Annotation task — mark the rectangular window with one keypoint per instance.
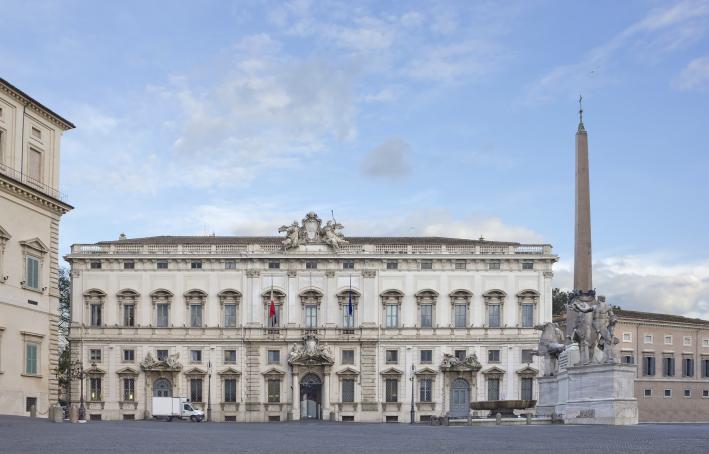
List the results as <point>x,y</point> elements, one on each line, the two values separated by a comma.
<point>705,393</point>
<point>128,355</point>
<point>31,358</point>
<point>162,264</point>
<point>392,389</point>
<point>426,390</point>
<point>229,356</point>
<point>705,368</point>
<point>311,316</point>
<point>705,342</point>
<point>196,390</point>
<point>129,265</point>
<point>96,315</point>
<point>668,393</point>
<point>649,366</point>
<point>647,339</point>
<point>426,356</point>
<point>95,265</point>
<point>459,354</point>
<point>647,392</point>
<point>230,315</point>
<point>392,265</point>
<point>347,318</point>
<point>688,367</point>
<point>493,389</point>
<point>229,390</point>
<point>687,393</point>
<point>230,265</point>
<point>274,356</point>
<point>274,265</point>
<point>426,315</point>
<point>274,391</point>
<point>493,265</point>
<point>348,387</point>
<point>348,357</point>
<point>687,341</point>
<point>32,267</point>
<point>460,315</point>
<point>392,315</point>
<point>527,315</point>
<point>311,265</point>
<point>162,355</point>
<point>36,133</point>
<point>35,166</point>
<point>129,315</point>
<point>30,402</point>
<point>196,264</point>
<point>392,356</point>
<point>526,392</point>
<point>527,356</point>
<point>493,356</point>
<point>668,340</point>
<point>348,265</point>
<point>95,355</point>
<point>95,388</point>
<point>628,358</point>
<point>494,315</point>
<point>196,356</point>
<point>129,389</point>
<point>627,337</point>
<point>426,265</point>
<point>195,315</point>
<point>527,265</point>
<point>460,265</point>
<point>668,363</point>
<point>163,315</point>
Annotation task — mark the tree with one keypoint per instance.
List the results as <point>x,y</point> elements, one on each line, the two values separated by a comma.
<point>64,363</point>
<point>558,299</point>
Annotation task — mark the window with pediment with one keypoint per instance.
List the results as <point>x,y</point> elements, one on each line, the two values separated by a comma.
<point>494,304</point>
<point>229,301</point>
<point>426,305</point>
<point>128,306</point>
<point>33,253</point>
<point>195,301</point>
<point>460,308</point>
<point>162,302</point>
<point>273,319</point>
<point>527,308</point>
<point>310,300</point>
<point>391,307</point>
<point>94,300</point>
<point>348,301</point>
<point>4,238</point>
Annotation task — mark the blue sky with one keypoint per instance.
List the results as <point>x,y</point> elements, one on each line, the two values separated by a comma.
<point>415,118</point>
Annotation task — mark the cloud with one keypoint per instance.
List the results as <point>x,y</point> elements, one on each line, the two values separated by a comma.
<point>695,76</point>
<point>648,283</point>
<point>661,31</point>
<point>454,61</point>
<point>390,159</point>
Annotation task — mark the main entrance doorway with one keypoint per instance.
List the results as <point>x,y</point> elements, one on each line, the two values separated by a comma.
<point>460,398</point>
<point>162,388</point>
<point>310,397</point>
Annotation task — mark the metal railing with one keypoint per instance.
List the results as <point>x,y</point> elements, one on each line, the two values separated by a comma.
<point>33,183</point>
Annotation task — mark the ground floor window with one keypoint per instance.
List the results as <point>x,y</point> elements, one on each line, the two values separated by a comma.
<point>196,390</point>
<point>95,388</point>
<point>526,393</point>
<point>230,390</point>
<point>493,389</point>
<point>30,402</point>
<point>128,389</point>
<point>274,391</point>
<point>348,386</point>
<point>392,390</point>
<point>426,390</point>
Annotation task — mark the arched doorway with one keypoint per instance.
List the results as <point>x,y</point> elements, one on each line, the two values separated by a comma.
<point>310,397</point>
<point>162,388</point>
<point>460,398</point>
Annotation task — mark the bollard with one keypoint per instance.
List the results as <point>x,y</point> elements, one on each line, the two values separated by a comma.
<point>73,413</point>
<point>498,419</point>
<point>529,418</point>
<point>33,411</point>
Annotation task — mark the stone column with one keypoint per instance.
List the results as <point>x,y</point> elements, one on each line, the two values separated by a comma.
<point>326,395</point>
<point>582,245</point>
<point>296,396</point>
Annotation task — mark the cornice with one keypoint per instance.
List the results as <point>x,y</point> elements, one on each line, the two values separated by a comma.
<point>35,106</point>
<point>37,198</point>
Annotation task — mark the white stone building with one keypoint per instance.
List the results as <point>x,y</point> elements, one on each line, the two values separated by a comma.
<point>30,209</point>
<point>259,328</point>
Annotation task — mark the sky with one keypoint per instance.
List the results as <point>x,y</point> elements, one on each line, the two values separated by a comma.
<point>404,118</point>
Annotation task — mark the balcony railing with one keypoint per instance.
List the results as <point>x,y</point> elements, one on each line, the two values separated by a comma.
<point>33,183</point>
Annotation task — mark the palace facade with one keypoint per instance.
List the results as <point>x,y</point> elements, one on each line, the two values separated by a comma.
<point>30,209</point>
<point>309,325</point>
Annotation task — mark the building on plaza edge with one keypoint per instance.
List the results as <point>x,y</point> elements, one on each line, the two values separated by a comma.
<point>30,209</point>
<point>308,325</point>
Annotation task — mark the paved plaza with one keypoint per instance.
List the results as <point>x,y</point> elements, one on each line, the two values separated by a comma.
<point>23,435</point>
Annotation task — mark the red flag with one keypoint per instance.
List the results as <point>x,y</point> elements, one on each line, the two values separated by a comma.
<point>272,312</point>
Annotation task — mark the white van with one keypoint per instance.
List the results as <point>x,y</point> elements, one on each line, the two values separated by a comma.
<point>175,407</point>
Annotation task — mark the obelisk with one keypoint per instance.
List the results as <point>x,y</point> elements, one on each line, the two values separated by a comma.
<point>582,245</point>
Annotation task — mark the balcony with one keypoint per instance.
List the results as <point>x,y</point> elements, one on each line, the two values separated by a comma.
<point>32,183</point>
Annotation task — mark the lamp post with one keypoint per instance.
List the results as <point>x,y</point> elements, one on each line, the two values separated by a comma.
<point>413,411</point>
<point>209,392</point>
<point>77,371</point>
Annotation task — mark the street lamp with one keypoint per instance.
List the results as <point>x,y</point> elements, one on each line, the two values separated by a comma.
<point>77,371</point>
<point>209,392</point>
<point>413,412</point>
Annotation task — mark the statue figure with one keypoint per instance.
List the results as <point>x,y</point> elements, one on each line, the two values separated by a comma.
<point>330,235</point>
<point>579,324</point>
<point>172,361</point>
<point>551,344</point>
<point>310,353</point>
<point>604,321</point>
<point>292,235</point>
<point>149,362</point>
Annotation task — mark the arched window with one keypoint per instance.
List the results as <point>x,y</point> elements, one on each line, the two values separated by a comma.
<point>527,308</point>
<point>460,308</point>
<point>229,301</point>
<point>349,302</point>
<point>310,300</point>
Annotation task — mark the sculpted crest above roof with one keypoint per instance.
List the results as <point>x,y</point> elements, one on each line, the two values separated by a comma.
<point>311,231</point>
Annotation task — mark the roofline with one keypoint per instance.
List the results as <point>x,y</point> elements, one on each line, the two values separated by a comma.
<point>30,100</point>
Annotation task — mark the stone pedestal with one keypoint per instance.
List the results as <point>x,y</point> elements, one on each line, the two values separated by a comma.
<point>592,394</point>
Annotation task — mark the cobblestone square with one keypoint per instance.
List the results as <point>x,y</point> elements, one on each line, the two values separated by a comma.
<point>23,435</point>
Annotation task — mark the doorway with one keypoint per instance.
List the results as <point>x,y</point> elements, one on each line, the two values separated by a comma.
<point>460,399</point>
<point>310,397</point>
<point>162,388</point>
